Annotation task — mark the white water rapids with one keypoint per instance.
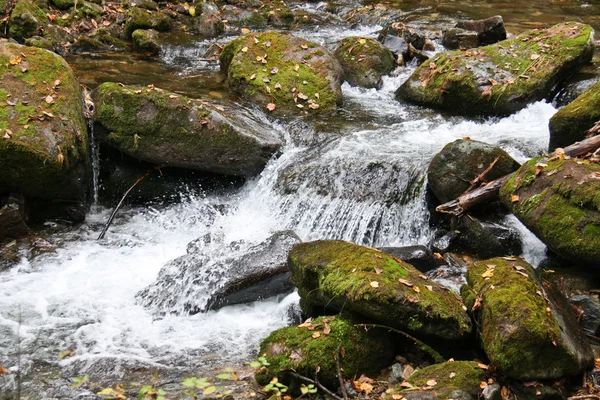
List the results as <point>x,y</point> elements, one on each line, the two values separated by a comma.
<point>82,296</point>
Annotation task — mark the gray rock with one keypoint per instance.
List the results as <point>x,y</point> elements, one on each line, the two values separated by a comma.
<point>590,320</point>
<point>418,256</point>
<point>486,236</point>
<point>146,40</point>
<point>492,392</point>
<point>457,38</point>
<point>489,30</point>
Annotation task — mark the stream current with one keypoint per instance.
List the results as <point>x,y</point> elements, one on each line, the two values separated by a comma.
<point>358,178</point>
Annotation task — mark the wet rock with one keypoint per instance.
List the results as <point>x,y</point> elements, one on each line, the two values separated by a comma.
<point>560,204</point>
<point>590,305</point>
<point>426,395</point>
<point>293,74</point>
<point>489,30</point>
<point>159,127</point>
<point>492,392</point>
<point>139,18</point>
<point>457,38</point>
<point>146,40</point>
<point>277,13</point>
<point>12,223</point>
<point>446,242</point>
<point>99,41</point>
<point>471,83</point>
<point>418,256</point>
<point>451,171</point>
<point>395,44</point>
<point>411,35</point>
<point>196,283</point>
<point>364,61</point>
<point>243,18</point>
<point>87,9</point>
<point>526,329</point>
<point>450,377</point>
<point>27,20</point>
<point>337,275</point>
<point>378,14</point>
<point>207,22</point>
<point>36,162</point>
<point>571,123</point>
<point>486,236</point>
<point>305,347</point>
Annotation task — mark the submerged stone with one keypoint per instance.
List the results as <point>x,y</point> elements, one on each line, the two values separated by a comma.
<point>571,123</point>
<point>364,61</point>
<point>502,78</point>
<point>335,275</point>
<point>526,329</point>
<point>559,201</point>
<point>292,74</point>
<point>163,128</point>
<point>314,344</point>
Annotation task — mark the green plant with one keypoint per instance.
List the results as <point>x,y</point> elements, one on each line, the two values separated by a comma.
<point>260,362</point>
<point>275,386</point>
<point>205,386</point>
<point>310,389</point>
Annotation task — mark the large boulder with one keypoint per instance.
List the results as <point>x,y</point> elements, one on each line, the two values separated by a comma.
<point>558,201</point>
<point>166,129</point>
<point>282,72</point>
<point>364,61</point>
<point>43,143</point>
<point>139,18</point>
<point>196,283</point>
<point>527,331</point>
<point>502,78</point>
<point>337,275</point>
<point>570,123</point>
<point>27,20</point>
<point>451,170</point>
<point>313,346</point>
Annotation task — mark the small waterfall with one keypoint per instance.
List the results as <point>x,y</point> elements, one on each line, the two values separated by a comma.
<point>95,156</point>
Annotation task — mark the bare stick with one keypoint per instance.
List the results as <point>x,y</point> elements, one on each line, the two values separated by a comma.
<point>584,396</point>
<point>588,145</point>
<point>315,382</point>
<point>479,178</point>
<point>470,199</point>
<point>339,372</point>
<point>112,216</point>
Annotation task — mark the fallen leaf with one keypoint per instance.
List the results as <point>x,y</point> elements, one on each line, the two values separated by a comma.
<point>505,393</point>
<point>245,31</point>
<point>267,44</point>
<point>316,335</point>
<point>252,77</point>
<point>452,375</point>
<point>11,103</point>
<point>482,366</point>
<point>405,384</point>
<point>534,56</point>
<point>3,371</point>
<point>327,329</point>
<point>271,106</point>
<point>296,355</point>
<point>266,80</point>
<point>362,41</point>
<point>303,46</point>
<point>405,282</point>
<point>49,99</point>
<point>397,396</point>
<point>432,65</point>
<point>65,354</point>
<point>429,287</point>
<point>15,61</point>
<point>488,273</point>
<point>374,284</point>
<point>519,268</point>
<point>514,198</point>
<point>477,304</point>
<point>274,70</point>
<point>302,96</point>
<point>296,68</point>
<point>483,385</point>
<point>244,49</point>
<point>431,382</point>
<point>416,289</point>
<point>378,270</point>
<point>278,86</point>
<point>192,11</point>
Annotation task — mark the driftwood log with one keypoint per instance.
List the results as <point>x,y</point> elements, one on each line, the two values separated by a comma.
<point>490,191</point>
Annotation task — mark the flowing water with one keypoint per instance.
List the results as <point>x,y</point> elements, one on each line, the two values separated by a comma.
<point>359,177</point>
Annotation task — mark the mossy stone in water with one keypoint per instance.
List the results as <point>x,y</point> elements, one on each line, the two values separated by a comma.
<point>502,78</point>
<point>560,203</point>
<point>336,275</point>
<point>295,75</point>
<point>26,19</point>
<point>364,61</point>
<point>44,151</point>
<point>303,350</point>
<point>138,18</point>
<point>571,123</point>
<point>146,40</point>
<point>527,331</point>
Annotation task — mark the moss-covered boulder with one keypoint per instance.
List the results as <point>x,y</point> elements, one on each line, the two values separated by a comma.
<point>277,13</point>
<point>313,344</point>
<point>146,40</point>
<point>27,19</point>
<point>502,78</point>
<point>526,330</point>
<point>291,74</point>
<point>139,18</point>
<point>559,201</point>
<point>441,380</point>
<point>364,61</point>
<point>87,9</point>
<point>451,170</point>
<point>336,275</point>
<point>43,134</point>
<point>163,128</point>
<point>63,4</point>
<point>570,123</point>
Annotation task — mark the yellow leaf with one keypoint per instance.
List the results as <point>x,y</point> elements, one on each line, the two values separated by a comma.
<point>362,41</point>
<point>429,287</point>
<point>416,289</point>
<point>209,390</point>
<point>15,61</point>
<point>192,11</point>
<point>488,273</point>
<point>245,31</point>
<point>514,198</point>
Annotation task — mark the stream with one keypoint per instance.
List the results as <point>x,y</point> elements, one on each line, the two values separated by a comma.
<point>359,177</point>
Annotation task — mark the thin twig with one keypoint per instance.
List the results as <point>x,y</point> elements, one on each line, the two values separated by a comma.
<point>315,382</point>
<point>112,216</point>
<point>479,178</point>
<point>339,372</point>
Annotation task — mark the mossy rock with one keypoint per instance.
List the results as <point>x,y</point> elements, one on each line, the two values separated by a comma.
<point>277,13</point>
<point>527,331</point>
<point>46,155</point>
<point>63,4</point>
<point>294,74</point>
<point>502,78</point>
<point>243,18</point>
<point>336,275</point>
<point>139,18</point>
<point>302,350</point>
<point>146,40</point>
<point>40,42</point>
<point>449,377</point>
<point>364,61</point>
<point>571,123</point>
<point>560,204</point>
<point>26,19</point>
<point>157,126</point>
<point>451,171</point>
<point>87,9</point>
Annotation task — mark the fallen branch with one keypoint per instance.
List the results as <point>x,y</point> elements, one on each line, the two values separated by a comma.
<point>112,216</point>
<point>315,382</point>
<point>588,145</point>
<point>584,396</point>
<point>339,372</point>
<point>470,199</point>
<point>479,178</point>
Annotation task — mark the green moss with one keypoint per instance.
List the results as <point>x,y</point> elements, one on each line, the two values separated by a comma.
<point>3,94</point>
<point>24,113</point>
<point>340,275</point>
<point>25,20</point>
<point>295,349</point>
<point>138,18</point>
